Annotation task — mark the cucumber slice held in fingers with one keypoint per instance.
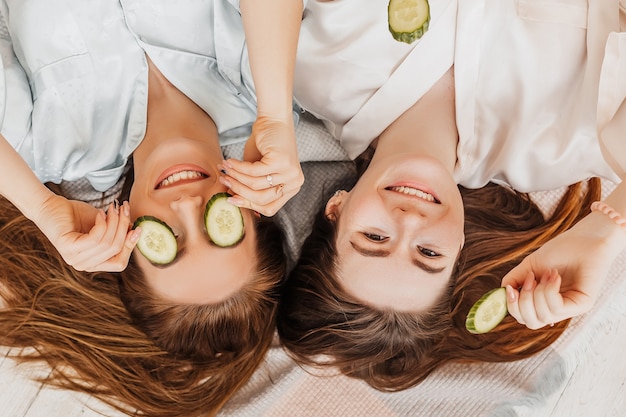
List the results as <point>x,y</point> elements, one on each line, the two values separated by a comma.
<point>487,312</point>
<point>157,241</point>
<point>223,221</point>
<point>408,19</point>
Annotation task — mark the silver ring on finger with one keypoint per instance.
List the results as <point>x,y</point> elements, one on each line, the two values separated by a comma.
<point>269,180</point>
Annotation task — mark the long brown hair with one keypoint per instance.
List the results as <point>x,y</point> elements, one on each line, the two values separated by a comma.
<point>167,360</point>
<point>319,323</point>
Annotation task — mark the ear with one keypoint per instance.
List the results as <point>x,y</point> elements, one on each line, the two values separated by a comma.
<point>333,206</point>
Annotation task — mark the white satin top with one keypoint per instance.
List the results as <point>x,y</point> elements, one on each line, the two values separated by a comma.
<point>538,82</point>
<point>73,79</point>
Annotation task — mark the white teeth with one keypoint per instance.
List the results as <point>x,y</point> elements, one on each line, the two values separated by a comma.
<point>179,176</point>
<point>415,192</point>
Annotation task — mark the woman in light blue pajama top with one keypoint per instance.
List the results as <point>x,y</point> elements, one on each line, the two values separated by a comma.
<point>85,87</point>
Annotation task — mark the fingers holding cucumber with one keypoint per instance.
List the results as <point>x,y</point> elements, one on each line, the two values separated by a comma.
<point>536,304</point>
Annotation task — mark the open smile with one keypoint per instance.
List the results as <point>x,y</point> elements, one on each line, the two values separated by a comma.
<point>414,192</point>
<point>180,175</point>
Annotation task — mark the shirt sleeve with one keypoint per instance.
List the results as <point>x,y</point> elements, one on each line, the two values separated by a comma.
<point>16,102</point>
<point>612,104</point>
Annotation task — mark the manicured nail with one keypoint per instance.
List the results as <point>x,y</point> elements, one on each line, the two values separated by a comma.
<point>225,182</point>
<point>126,208</point>
<point>235,201</point>
<point>136,234</point>
<point>227,164</point>
<point>510,294</point>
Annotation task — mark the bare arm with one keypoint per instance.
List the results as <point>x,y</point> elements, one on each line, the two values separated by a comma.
<point>270,173</point>
<point>19,184</point>
<point>87,238</point>
<point>272,28</point>
<point>564,277</point>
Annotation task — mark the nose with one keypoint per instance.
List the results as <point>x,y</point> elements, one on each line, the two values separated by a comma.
<point>189,210</point>
<point>185,203</point>
<point>411,214</point>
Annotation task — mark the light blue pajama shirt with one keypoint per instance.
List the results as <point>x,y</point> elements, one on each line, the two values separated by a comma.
<point>74,77</point>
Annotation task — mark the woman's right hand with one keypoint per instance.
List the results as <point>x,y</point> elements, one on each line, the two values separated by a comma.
<point>87,238</point>
<point>270,173</point>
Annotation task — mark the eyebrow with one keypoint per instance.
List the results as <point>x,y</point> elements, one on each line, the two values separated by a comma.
<point>381,253</point>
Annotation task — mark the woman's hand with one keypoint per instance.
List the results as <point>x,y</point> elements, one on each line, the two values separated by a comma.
<point>87,238</point>
<point>560,280</point>
<point>270,173</point>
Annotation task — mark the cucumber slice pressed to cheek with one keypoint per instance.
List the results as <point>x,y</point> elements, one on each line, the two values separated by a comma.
<point>223,222</point>
<point>487,312</point>
<point>157,241</point>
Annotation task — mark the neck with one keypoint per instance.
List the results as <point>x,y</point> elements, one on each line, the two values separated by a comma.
<point>427,128</point>
<point>171,113</point>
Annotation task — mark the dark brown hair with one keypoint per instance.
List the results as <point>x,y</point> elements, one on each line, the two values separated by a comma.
<point>167,360</point>
<point>396,350</point>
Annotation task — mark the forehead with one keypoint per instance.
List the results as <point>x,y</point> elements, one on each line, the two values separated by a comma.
<point>206,274</point>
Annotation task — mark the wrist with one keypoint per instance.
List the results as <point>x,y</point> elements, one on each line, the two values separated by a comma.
<point>276,111</point>
<point>606,227</point>
<point>35,206</point>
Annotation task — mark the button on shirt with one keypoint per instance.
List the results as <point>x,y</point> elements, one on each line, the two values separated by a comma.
<point>74,77</point>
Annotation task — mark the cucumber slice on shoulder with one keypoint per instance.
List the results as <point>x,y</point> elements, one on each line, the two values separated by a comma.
<point>487,312</point>
<point>223,221</point>
<point>408,19</point>
<point>157,241</point>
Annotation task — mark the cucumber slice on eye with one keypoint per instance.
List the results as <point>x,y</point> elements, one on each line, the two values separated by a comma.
<point>157,241</point>
<point>487,312</point>
<point>223,221</point>
<point>408,19</point>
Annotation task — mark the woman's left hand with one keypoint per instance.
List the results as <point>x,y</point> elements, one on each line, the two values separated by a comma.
<point>270,173</point>
<point>560,280</point>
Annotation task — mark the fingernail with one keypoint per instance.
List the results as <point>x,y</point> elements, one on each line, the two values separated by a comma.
<point>135,236</point>
<point>126,208</point>
<point>235,201</point>
<point>225,182</point>
<point>510,294</point>
<point>227,164</point>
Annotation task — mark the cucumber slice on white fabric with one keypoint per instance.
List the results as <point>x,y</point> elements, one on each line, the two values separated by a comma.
<point>408,19</point>
<point>223,221</point>
<point>157,241</point>
<point>487,312</point>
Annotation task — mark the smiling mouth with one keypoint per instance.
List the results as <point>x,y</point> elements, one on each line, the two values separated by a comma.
<point>180,177</point>
<point>415,193</point>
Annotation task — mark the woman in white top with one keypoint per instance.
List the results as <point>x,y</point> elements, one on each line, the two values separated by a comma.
<point>87,85</point>
<point>527,95</point>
